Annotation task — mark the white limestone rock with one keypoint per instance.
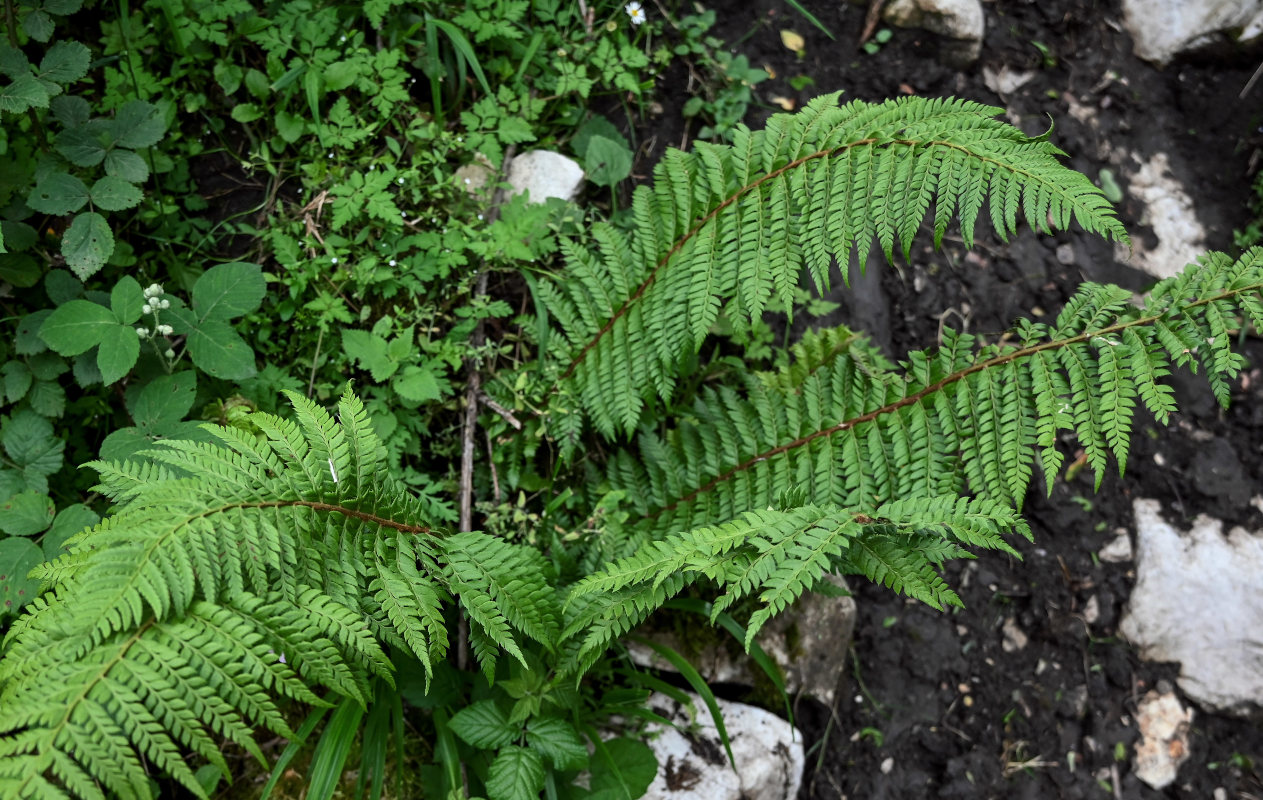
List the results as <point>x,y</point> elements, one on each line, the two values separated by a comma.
<point>809,642</point>
<point>1173,216</point>
<point>1161,29</point>
<point>960,21</point>
<point>544,174</point>
<point>1197,601</point>
<point>767,750</point>
<point>1164,725</point>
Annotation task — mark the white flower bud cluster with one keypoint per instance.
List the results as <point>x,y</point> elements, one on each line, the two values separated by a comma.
<point>155,302</point>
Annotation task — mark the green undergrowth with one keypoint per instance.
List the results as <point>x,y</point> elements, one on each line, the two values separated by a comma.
<point>329,467</point>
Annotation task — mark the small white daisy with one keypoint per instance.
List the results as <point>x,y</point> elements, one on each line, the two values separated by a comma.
<point>636,12</point>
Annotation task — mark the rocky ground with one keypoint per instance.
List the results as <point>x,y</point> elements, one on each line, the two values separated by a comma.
<point>1033,690</point>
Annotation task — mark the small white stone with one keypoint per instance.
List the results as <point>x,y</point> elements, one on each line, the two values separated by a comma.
<point>1118,550</point>
<point>767,750</point>
<point>544,174</point>
<point>887,765</point>
<point>1014,638</point>
<point>1164,725</point>
<point>1092,610</point>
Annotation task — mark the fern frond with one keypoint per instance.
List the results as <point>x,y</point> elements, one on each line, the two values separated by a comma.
<point>854,433</point>
<point>777,555</point>
<point>231,576</point>
<point>730,227</point>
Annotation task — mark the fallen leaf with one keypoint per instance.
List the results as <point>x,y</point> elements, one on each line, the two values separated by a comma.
<point>784,102</point>
<point>771,73</point>
<point>906,89</point>
<point>793,41</point>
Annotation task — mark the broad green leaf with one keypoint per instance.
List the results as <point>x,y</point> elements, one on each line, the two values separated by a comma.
<point>117,354</point>
<point>163,402</point>
<point>417,385</point>
<point>58,193</point>
<point>25,92</point>
<point>17,558</point>
<point>11,482</point>
<point>28,341</point>
<point>62,7</point>
<point>126,300</point>
<point>61,286</point>
<point>607,162</point>
<point>87,244</point>
<point>559,742</point>
<point>218,351</point>
<point>340,75</point>
<point>126,165</point>
<point>47,398</point>
<point>47,366</point>
<point>82,145</point>
<point>228,75</point>
<point>138,124</point>
<point>38,25</point>
<point>70,110</point>
<point>30,444</point>
<point>13,63</point>
<point>229,290</point>
<point>371,352</point>
<point>124,443</point>
<point>516,774</point>
<point>17,236</point>
<point>246,112</point>
<point>19,269</point>
<point>70,520</point>
<point>17,380</point>
<point>484,725</point>
<point>115,194</point>
<point>77,326</point>
<point>26,514</point>
<point>291,127</point>
<point>622,768</point>
<point>65,62</point>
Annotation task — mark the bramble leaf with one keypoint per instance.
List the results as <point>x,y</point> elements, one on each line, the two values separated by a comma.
<point>87,244</point>
<point>58,193</point>
<point>77,326</point>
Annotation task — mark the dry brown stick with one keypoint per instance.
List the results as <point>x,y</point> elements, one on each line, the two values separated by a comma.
<point>870,20</point>
<point>472,390</point>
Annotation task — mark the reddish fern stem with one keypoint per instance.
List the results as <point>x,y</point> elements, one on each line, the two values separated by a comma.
<point>918,396</point>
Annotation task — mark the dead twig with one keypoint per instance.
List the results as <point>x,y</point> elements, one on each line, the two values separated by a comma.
<point>473,389</point>
<point>504,413</point>
<point>870,21</point>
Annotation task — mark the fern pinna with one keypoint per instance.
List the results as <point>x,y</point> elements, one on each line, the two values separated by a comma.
<point>731,227</point>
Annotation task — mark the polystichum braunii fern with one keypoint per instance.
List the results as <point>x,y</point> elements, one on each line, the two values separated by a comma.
<point>233,576</point>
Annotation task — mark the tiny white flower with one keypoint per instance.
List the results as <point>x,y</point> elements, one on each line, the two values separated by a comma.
<point>165,330</point>
<point>343,39</point>
<point>142,332</point>
<point>165,303</point>
<point>392,262</point>
<point>170,353</point>
<point>399,181</point>
<point>145,309</point>
<point>467,181</point>
<point>331,155</point>
<point>480,216</point>
<point>403,213</point>
<point>153,290</point>
<point>334,259</point>
<point>636,13</point>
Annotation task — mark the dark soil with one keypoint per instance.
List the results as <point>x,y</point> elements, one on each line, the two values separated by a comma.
<point>935,707</point>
